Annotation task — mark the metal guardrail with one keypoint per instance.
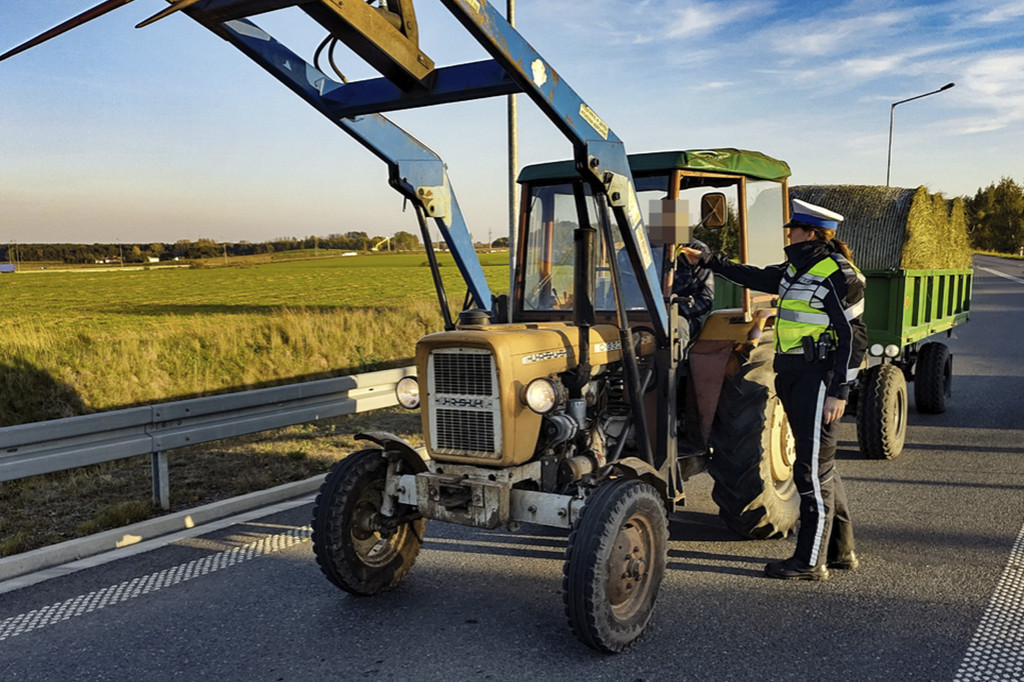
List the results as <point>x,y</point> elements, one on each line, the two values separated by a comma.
<point>61,444</point>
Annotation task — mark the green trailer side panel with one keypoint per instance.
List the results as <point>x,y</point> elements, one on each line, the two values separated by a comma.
<point>906,306</point>
<point>901,307</point>
<point>727,294</point>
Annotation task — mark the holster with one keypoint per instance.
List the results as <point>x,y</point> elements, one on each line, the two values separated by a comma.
<point>817,351</point>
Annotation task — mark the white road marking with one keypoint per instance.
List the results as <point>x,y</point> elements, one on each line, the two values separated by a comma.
<point>45,574</point>
<point>996,651</point>
<point>136,587</point>
<point>1018,280</point>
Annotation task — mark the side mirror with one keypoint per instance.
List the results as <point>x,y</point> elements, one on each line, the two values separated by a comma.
<point>713,210</point>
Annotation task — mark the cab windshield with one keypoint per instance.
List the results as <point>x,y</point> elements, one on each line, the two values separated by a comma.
<point>547,278</point>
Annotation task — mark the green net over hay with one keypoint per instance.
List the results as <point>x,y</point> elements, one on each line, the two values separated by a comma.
<point>894,228</point>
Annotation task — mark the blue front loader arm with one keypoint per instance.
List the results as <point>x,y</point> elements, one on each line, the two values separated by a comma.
<point>414,170</point>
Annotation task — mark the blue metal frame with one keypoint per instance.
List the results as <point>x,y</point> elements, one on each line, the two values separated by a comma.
<point>600,155</point>
<point>411,165</point>
<point>415,171</point>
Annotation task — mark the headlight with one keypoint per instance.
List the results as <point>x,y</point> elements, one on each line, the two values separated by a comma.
<point>892,350</point>
<point>408,393</point>
<point>541,395</point>
<point>877,349</point>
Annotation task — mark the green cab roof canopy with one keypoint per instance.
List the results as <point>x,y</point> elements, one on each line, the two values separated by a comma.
<point>726,161</point>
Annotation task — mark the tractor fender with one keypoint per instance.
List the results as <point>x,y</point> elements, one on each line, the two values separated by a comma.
<point>634,467</point>
<point>395,445</point>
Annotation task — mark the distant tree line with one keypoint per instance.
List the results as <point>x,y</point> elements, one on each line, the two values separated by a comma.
<point>995,221</point>
<point>185,249</point>
<point>995,217</point>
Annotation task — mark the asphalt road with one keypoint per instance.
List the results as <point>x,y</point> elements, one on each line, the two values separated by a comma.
<point>939,596</point>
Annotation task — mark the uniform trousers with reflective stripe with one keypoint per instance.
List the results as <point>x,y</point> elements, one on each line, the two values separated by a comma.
<point>825,527</point>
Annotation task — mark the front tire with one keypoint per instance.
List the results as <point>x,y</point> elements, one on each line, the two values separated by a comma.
<point>933,378</point>
<point>753,454</point>
<point>614,564</point>
<point>882,412</point>
<point>350,546</point>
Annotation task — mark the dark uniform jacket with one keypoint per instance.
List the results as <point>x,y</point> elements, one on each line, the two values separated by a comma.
<point>842,299</point>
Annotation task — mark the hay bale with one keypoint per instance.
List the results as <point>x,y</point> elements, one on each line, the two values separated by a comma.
<point>895,228</point>
<point>958,239</point>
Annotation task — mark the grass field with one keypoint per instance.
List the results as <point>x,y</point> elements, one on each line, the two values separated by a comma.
<point>82,341</point>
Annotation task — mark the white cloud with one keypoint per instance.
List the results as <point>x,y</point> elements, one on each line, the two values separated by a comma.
<point>997,86</point>
<point>1002,13</point>
<point>870,67</point>
<point>660,20</point>
<point>825,34</point>
<point>716,85</point>
<point>702,18</point>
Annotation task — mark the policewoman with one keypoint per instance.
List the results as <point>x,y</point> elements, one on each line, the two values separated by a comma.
<point>820,341</point>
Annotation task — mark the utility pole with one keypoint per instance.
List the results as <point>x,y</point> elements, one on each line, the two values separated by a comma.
<point>513,168</point>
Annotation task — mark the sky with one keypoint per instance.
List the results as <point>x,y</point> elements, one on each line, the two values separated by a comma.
<point>113,134</point>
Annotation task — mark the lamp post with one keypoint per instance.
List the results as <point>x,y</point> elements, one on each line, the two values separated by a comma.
<point>892,108</point>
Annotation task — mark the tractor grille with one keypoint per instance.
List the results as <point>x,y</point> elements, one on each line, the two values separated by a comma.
<point>465,410</point>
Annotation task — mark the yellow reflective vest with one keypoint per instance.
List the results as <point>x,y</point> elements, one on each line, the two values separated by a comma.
<point>801,309</point>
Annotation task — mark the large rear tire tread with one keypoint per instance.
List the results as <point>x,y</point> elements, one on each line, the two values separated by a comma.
<point>623,532</point>
<point>751,502</point>
<point>350,554</point>
<point>933,378</point>
<point>882,412</point>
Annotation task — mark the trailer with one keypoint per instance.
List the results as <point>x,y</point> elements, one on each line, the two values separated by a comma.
<point>903,311</point>
<point>912,247</point>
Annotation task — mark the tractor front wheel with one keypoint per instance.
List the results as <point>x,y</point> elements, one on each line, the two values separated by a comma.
<point>614,564</point>
<point>352,545</point>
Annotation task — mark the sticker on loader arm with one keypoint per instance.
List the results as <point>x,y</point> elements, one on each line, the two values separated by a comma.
<point>591,117</point>
<point>639,231</point>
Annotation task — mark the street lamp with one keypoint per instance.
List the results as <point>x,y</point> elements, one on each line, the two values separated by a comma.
<point>892,108</point>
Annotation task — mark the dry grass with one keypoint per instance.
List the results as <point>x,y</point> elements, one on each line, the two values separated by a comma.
<point>199,355</point>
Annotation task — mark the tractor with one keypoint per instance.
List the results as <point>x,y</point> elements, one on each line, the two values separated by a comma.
<point>575,414</point>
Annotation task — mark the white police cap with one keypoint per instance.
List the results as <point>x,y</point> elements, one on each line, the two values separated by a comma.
<point>807,214</point>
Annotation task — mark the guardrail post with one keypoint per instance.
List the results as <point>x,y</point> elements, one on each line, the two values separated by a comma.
<point>161,481</point>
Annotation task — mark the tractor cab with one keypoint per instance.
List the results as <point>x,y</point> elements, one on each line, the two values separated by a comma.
<point>743,192</point>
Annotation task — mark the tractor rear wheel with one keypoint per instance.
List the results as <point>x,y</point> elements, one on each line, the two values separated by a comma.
<point>753,454</point>
<point>933,378</point>
<point>614,564</point>
<point>882,412</point>
<point>350,543</point>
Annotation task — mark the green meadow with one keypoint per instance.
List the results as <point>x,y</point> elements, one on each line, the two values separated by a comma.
<point>78,341</point>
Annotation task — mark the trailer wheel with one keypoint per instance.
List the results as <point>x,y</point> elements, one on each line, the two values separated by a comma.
<point>753,454</point>
<point>933,378</point>
<point>882,412</point>
<point>350,548</point>
<point>614,564</point>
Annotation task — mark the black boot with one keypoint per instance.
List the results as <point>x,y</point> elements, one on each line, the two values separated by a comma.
<point>846,561</point>
<point>794,569</point>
